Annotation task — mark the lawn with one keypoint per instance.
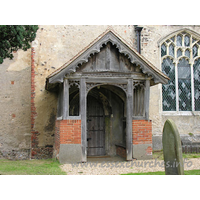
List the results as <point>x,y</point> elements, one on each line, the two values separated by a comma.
<point>52,167</point>
<point>159,155</point>
<point>189,172</point>
<point>30,167</point>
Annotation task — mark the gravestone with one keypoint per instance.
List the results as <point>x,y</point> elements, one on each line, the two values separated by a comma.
<point>172,149</point>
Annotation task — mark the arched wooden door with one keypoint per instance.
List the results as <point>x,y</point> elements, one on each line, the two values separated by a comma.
<point>95,127</point>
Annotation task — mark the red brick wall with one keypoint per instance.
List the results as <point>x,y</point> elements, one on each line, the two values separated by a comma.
<point>67,132</point>
<point>34,133</point>
<point>36,151</point>
<point>149,150</point>
<point>57,136</point>
<point>120,151</point>
<point>142,132</point>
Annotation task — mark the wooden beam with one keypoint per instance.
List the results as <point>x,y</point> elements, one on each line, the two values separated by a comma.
<point>94,62</point>
<point>65,98</point>
<point>107,80</point>
<point>146,99</point>
<point>60,103</point>
<point>83,109</point>
<point>108,57</point>
<point>129,114</point>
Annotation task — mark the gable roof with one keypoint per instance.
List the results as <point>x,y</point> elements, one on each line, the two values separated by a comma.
<point>94,47</point>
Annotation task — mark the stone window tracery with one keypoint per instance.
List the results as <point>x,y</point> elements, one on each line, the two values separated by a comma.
<point>180,61</point>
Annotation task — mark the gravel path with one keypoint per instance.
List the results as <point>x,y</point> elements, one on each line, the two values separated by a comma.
<point>117,167</point>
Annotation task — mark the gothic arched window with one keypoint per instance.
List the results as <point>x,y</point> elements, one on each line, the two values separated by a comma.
<point>180,56</point>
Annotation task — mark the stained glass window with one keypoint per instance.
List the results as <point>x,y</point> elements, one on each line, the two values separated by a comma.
<point>178,94</point>
<point>187,41</point>
<point>184,85</point>
<point>193,40</point>
<point>171,50</point>
<point>179,40</point>
<point>179,53</point>
<point>187,53</point>
<point>195,51</point>
<point>196,71</point>
<point>163,50</point>
<point>172,39</point>
<point>168,90</point>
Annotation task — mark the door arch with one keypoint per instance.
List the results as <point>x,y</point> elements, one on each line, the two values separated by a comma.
<point>106,122</point>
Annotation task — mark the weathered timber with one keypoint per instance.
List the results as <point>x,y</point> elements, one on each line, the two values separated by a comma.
<point>95,127</point>
<point>60,102</point>
<point>129,114</point>
<point>65,99</point>
<point>146,97</point>
<point>83,106</point>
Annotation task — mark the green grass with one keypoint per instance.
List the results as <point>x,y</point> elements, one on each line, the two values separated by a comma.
<point>147,173</point>
<point>159,155</point>
<point>189,172</point>
<point>192,155</point>
<point>52,167</point>
<point>30,167</point>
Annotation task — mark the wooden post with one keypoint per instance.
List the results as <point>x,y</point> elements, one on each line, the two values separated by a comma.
<point>129,114</point>
<point>83,107</point>
<point>60,103</point>
<point>146,99</point>
<point>65,98</point>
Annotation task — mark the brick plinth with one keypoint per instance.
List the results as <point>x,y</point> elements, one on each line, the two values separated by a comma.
<point>142,132</point>
<point>67,132</point>
<point>142,139</point>
<point>121,151</point>
<point>149,150</point>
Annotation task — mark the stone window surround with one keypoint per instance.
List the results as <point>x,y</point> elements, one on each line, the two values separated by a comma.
<point>164,41</point>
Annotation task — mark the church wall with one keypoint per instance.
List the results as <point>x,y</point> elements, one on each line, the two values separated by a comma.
<point>54,46</point>
<point>15,110</point>
<point>150,36</point>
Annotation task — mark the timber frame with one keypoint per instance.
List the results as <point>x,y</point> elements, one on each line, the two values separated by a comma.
<point>140,75</point>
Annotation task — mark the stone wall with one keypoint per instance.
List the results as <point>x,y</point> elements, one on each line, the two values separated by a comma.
<point>54,46</point>
<point>150,36</point>
<point>15,122</point>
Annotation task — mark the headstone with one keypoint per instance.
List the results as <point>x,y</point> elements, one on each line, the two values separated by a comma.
<point>172,149</point>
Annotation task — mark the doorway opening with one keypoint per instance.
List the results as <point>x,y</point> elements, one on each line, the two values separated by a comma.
<point>106,121</point>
